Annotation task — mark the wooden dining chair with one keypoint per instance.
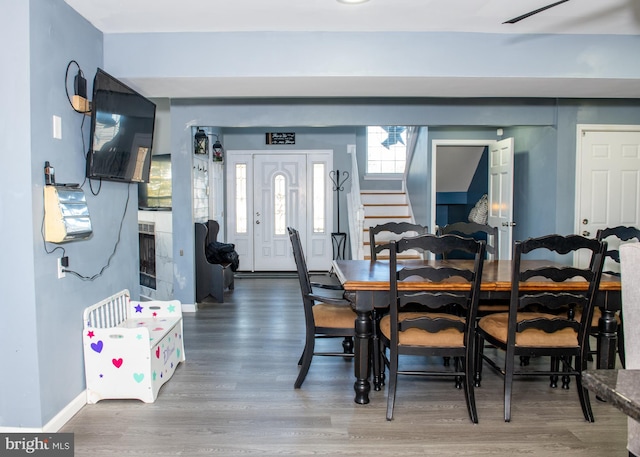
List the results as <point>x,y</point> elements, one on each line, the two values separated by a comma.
<point>440,323</point>
<point>541,323</point>
<point>477,231</point>
<point>379,239</point>
<point>614,236</point>
<point>381,234</point>
<point>327,316</point>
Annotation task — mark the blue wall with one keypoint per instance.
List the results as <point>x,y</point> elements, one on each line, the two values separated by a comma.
<point>42,325</point>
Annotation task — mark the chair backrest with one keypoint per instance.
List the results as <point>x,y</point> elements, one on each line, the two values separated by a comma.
<point>614,236</point>
<point>301,263</point>
<point>379,242</point>
<point>476,231</point>
<point>562,303</point>
<point>441,299</point>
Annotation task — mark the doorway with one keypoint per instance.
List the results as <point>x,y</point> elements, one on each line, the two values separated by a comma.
<point>607,180</point>
<point>459,160</point>
<point>268,191</point>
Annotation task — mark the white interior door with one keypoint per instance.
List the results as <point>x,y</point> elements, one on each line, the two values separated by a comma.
<point>607,180</point>
<point>501,193</point>
<point>266,193</point>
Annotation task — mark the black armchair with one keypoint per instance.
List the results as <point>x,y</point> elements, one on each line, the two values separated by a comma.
<point>212,279</point>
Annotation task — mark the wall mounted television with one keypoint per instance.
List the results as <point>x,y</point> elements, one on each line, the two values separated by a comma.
<point>122,124</point>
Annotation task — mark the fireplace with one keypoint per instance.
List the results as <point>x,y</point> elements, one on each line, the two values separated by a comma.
<point>147,243</point>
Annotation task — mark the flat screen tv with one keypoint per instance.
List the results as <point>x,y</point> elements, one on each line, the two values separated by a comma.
<point>122,123</point>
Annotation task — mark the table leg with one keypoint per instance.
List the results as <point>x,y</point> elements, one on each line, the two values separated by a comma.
<point>362,367</point>
<point>607,340</point>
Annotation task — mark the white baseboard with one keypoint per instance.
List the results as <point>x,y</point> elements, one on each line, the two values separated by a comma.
<point>58,421</point>
<point>190,308</point>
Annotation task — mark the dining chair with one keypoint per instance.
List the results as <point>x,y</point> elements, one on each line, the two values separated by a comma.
<point>379,238</point>
<point>325,316</point>
<point>541,324</point>
<point>438,323</point>
<point>479,232</point>
<point>381,234</point>
<point>476,231</point>
<point>614,236</point>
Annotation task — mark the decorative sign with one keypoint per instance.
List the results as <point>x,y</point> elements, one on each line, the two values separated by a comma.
<point>281,138</point>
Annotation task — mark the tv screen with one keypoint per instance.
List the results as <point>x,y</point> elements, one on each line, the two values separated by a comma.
<point>122,123</point>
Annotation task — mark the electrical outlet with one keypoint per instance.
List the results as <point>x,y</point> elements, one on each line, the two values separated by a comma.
<point>61,273</point>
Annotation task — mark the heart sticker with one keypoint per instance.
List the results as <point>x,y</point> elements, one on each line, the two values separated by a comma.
<point>157,352</point>
<point>97,346</point>
<point>138,377</point>
<point>117,362</point>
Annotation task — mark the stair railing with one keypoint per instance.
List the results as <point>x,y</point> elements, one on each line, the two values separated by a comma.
<point>355,208</point>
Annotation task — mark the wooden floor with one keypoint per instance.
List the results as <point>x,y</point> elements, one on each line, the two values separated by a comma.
<point>234,396</point>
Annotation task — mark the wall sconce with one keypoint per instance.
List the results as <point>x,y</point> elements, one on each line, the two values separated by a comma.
<point>218,150</point>
<point>200,142</point>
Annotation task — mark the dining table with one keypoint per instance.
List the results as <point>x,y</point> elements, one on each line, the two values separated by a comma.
<point>366,286</point>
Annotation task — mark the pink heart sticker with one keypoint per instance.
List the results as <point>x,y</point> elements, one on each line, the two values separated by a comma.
<point>158,352</point>
<point>117,362</point>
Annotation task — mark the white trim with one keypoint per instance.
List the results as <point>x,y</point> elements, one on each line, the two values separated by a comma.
<point>434,147</point>
<point>58,421</point>
<point>580,130</point>
<point>190,308</point>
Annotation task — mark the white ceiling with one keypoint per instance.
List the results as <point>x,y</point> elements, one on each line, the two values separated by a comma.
<point>574,16</point>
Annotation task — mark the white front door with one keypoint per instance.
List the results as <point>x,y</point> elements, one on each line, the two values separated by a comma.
<point>607,180</point>
<point>279,201</point>
<point>501,193</point>
<point>268,192</point>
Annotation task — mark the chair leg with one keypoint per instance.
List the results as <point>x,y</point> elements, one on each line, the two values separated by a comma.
<point>378,370</point>
<point>307,355</point>
<point>469,392</point>
<point>393,381</point>
<point>583,393</point>
<point>555,366</point>
<point>566,379</point>
<point>621,352</point>
<point>508,383</point>
<point>477,376</point>
<point>457,364</point>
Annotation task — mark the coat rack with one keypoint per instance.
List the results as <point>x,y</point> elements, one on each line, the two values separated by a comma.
<point>338,239</point>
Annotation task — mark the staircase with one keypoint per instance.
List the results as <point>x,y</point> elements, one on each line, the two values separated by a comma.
<point>381,207</point>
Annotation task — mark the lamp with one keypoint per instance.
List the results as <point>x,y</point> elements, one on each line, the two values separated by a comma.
<point>200,142</point>
<point>218,150</point>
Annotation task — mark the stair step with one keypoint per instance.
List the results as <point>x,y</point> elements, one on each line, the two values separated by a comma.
<point>386,210</point>
<point>376,198</point>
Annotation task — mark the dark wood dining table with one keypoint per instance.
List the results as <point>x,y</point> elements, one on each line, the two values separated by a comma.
<point>366,285</point>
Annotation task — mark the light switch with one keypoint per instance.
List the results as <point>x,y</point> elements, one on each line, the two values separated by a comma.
<point>57,127</point>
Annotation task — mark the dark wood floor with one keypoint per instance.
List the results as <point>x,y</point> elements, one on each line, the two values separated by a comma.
<point>235,396</point>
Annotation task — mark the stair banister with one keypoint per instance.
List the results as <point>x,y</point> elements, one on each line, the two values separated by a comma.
<point>355,208</point>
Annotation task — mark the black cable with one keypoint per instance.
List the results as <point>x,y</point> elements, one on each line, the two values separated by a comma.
<point>44,241</point>
<point>66,88</point>
<point>115,247</point>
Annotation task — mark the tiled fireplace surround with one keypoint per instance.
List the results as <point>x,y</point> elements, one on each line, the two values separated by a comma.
<point>163,254</point>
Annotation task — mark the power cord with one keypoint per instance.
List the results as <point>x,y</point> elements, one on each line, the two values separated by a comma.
<point>80,85</point>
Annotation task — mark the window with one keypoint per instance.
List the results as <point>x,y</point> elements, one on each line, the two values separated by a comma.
<point>386,149</point>
<point>319,179</point>
<point>241,198</point>
<point>279,204</point>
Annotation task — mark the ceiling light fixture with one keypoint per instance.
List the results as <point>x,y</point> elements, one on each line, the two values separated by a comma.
<point>352,2</point>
